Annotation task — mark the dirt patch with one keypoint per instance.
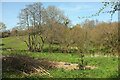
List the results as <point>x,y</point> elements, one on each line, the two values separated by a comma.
<point>91,67</point>
<point>66,65</point>
<point>69,66</point>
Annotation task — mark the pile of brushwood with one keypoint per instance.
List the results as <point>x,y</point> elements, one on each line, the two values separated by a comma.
<point>24,65</point>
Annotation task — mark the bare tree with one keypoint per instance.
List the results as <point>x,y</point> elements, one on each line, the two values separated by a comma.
<point>2,27</point>
<point>55,21</point>
<point>32,18</point>
<point>89,24</point>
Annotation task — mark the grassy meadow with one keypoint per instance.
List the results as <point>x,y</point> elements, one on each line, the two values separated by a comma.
<point>107,66</point>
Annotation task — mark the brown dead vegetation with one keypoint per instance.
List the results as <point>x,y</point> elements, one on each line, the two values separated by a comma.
<point>25,65</point>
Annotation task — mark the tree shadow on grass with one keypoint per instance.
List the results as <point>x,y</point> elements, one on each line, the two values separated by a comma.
<point>115,76</point>
<point>2,44</point>
<point>58,50</point>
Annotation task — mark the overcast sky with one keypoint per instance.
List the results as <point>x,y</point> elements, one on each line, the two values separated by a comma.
<point>10,11</point>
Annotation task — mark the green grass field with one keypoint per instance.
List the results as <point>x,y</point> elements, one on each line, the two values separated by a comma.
<point>107,66</point>
<point>13,42</point>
